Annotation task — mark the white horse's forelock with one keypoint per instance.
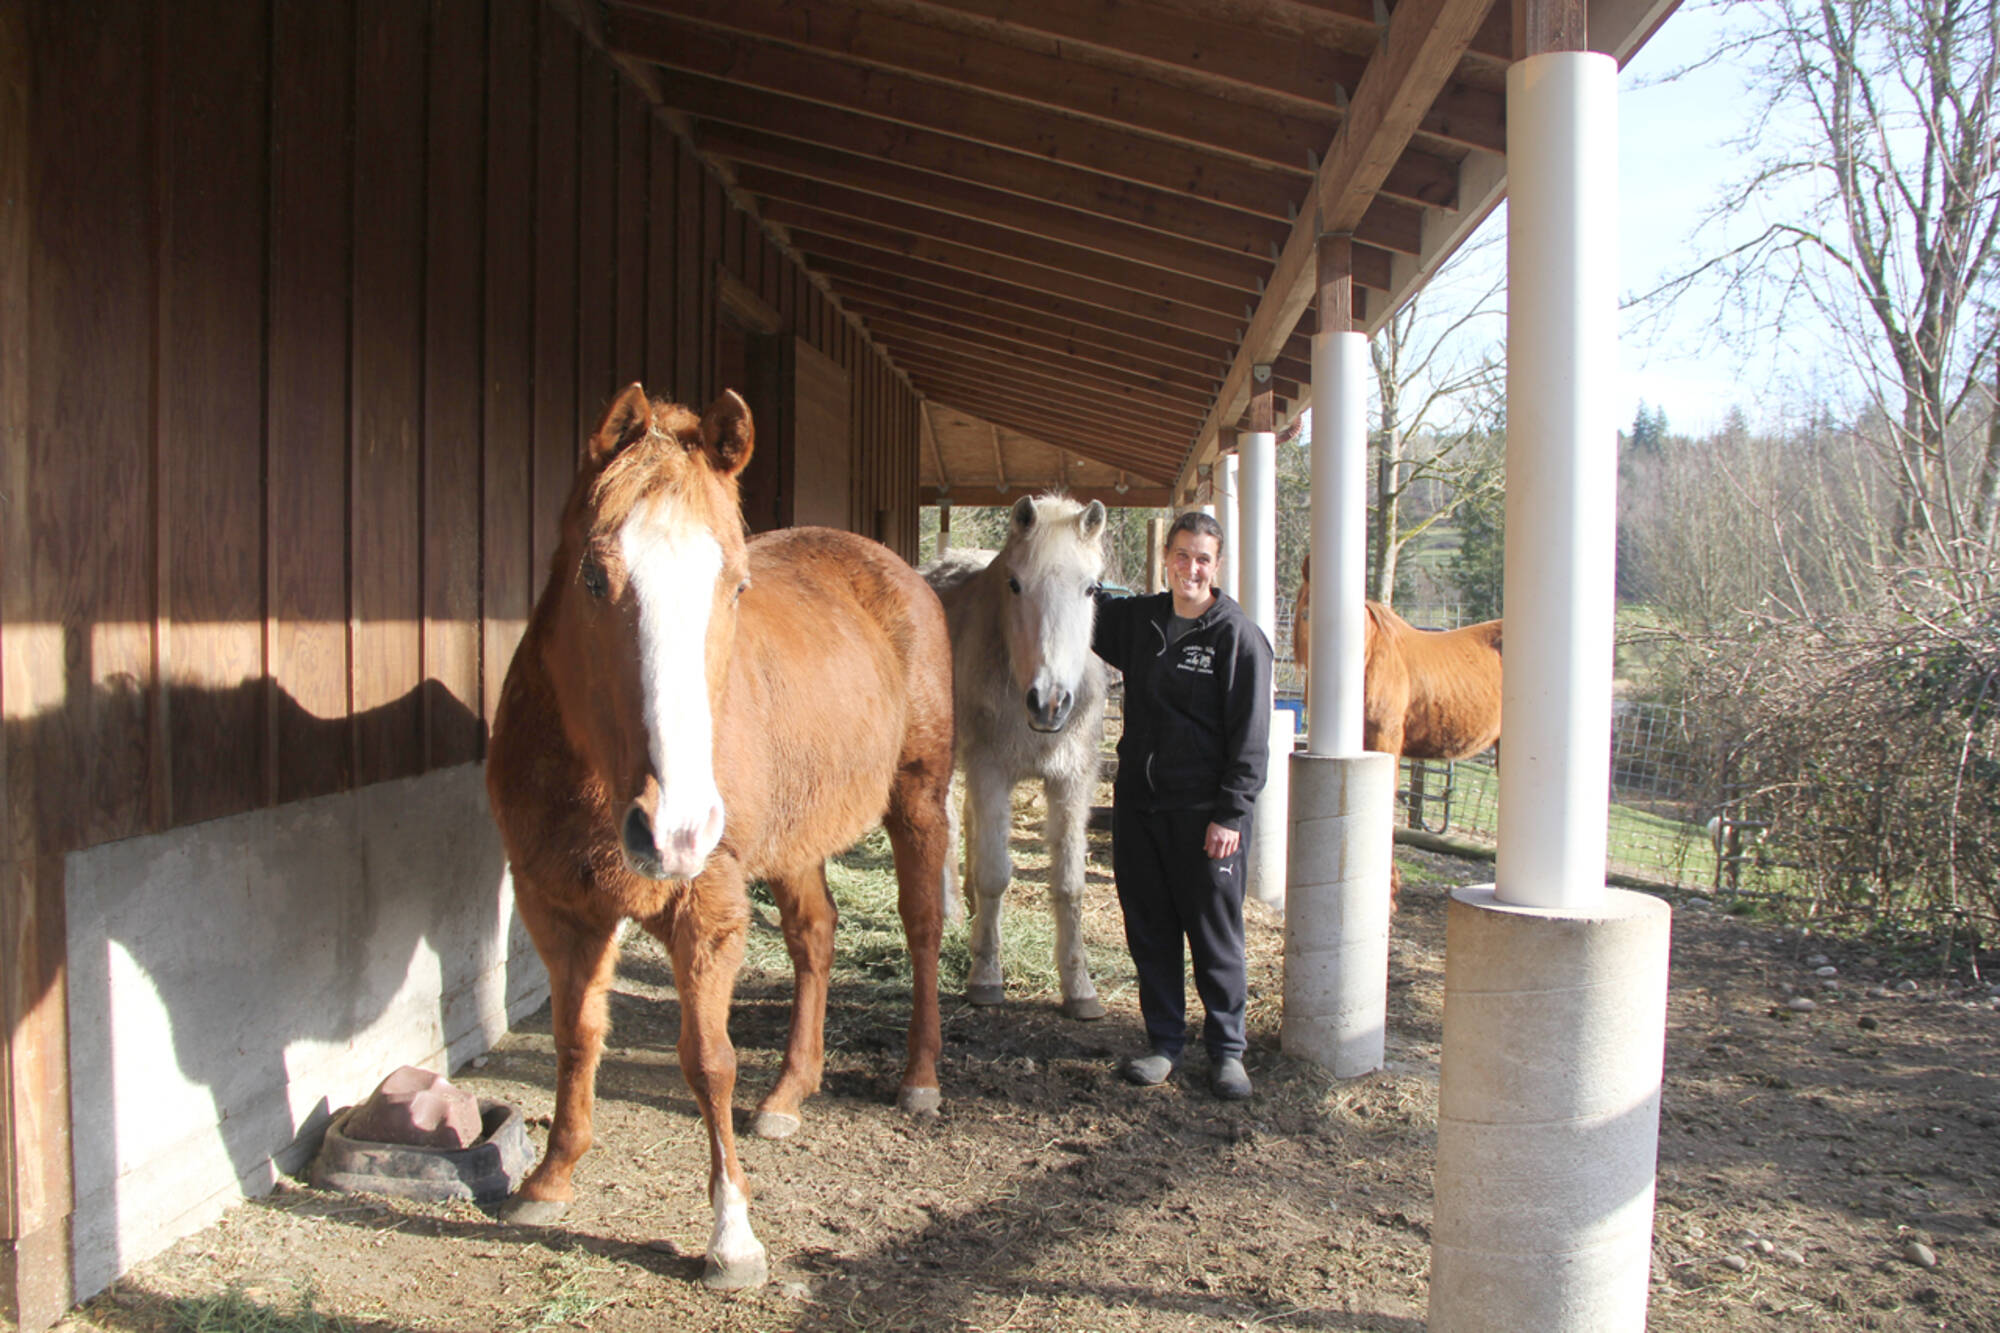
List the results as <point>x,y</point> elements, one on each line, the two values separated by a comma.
<point>673,565</point>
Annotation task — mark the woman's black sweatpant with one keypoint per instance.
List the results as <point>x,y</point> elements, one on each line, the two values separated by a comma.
<point>1170,891</point>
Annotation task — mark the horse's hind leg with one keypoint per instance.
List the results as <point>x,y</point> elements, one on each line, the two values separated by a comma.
<point>809,918</point>
<point>1069,819</point>
<point>580,956</point>
<point>919,825</point>
<point>988,823</point>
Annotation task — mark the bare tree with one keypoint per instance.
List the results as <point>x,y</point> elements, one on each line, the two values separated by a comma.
<point>1439,390</point>
<point>1884,112</point>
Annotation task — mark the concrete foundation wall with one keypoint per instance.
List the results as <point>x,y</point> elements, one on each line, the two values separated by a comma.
<point>234,983</point>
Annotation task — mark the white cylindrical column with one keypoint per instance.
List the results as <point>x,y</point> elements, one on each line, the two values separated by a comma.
<point>1229,515</point>
<point>1257,529</point>
<point>1256,562</point>
<point>1270,820</point>
<point>1562,473</point>
<point>1339,541</point>
<point>1548,1114</point>
<point>1337,912</point>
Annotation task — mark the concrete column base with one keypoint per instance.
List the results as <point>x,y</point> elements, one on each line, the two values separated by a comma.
<point>1548,1114</point>
<point>1337,922</point>
<point>1270,822</point>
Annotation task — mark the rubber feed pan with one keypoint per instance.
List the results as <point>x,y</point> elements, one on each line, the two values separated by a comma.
<point>489,1170</point>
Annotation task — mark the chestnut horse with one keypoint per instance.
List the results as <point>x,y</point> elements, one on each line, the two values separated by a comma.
<point>686,711</point>
<point>1426,694</point>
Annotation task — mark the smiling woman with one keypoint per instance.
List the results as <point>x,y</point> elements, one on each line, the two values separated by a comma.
<point>1191,761</point>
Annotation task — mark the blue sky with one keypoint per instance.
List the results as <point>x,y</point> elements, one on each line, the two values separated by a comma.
<point>1674,164</point>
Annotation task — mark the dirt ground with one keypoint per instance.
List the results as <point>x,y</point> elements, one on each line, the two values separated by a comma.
<point>1801,1155</point>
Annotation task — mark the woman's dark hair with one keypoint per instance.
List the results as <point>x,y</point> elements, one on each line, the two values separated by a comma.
<point>1198,523</point>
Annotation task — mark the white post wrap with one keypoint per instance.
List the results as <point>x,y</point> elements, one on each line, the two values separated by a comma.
<point>1339,540</point>
<point>1256,561</point>
<point>1555,987</point>
<point>1229,516</point>
<point>1548,1115</point>
<point>1337,918</point>
<point>1257,529</point>
<point>1270,822</point>
<point>1562,477</point>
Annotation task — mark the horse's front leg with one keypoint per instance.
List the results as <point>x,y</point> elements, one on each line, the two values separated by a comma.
<point>1069,819</point>
<point>809,917</point>
<point>988,868</point>
<point>580,955</point>
<point>706,940</point>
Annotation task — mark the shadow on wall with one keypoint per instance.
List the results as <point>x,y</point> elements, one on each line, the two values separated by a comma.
<point>232,983</point>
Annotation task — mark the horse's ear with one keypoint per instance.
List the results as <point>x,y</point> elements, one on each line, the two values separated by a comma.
<point>629,418</point>
<point>1093,520</point>
<point>727,432</point>
<point>1023,516</point>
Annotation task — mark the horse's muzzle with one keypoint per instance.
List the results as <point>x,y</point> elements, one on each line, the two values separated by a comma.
<point>684,855</point>
<point>1050,711</point>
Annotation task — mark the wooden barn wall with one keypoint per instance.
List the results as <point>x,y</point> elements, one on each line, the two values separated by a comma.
<point>304,310</point>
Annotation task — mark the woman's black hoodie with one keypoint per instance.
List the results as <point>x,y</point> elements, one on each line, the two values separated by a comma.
<point>1197,712</point>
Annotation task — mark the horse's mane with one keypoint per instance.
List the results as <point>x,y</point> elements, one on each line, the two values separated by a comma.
<point>956,566</point>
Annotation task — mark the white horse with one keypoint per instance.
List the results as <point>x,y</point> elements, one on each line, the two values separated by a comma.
<point>1029,695</point>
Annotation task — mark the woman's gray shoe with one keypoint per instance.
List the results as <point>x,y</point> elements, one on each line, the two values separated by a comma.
<point>1229,1081</point>
<point>1149,1071</point>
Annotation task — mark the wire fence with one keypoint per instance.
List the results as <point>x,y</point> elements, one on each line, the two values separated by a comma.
<point>1657,822</point>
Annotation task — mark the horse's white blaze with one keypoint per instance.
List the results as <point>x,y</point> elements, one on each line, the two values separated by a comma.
<point>1064,614</point>
<point>732,1243</point>
<point>673,568</point>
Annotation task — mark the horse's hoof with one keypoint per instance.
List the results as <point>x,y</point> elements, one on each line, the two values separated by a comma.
<point>533,1212</point>
<point>751,1270</point>
<point>775,1125</point>
<point>1084,1008</point>
<point>919,1101</point>
<point>995,993</point>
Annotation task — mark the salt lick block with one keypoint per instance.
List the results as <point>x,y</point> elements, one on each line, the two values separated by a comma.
<point>1548,1113</point>
<point>1337,911</point>
<point>417,1108</point>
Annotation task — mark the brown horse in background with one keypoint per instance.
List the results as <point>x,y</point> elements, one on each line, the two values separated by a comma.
<point>687,711</point>
<point>1426,694</point>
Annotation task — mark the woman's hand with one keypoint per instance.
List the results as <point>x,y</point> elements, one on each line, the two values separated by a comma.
<point>1221,842</point>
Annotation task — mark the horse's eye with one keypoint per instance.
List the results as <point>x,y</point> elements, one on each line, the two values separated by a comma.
<point>594,581</point>
<point>740,589</point>
<point>1014,583</point>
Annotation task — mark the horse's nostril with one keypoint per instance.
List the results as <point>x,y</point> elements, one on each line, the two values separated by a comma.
<point>638,832</point>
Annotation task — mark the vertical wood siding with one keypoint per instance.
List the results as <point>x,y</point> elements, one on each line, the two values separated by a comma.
<point>301,411</point>
<point>318,302</point>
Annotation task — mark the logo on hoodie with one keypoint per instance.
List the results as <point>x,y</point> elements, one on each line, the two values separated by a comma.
<point>1198,658</point>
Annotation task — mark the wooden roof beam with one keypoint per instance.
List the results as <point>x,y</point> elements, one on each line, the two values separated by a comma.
<point>1424,42</point>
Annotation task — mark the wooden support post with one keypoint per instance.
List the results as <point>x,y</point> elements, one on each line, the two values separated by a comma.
<point>1336,282</point>
<point>35,1170</point>
<point>1542,26</point>
<point>1263,414</point>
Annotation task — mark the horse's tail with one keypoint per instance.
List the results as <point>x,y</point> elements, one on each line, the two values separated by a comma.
<point>954,901</point>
